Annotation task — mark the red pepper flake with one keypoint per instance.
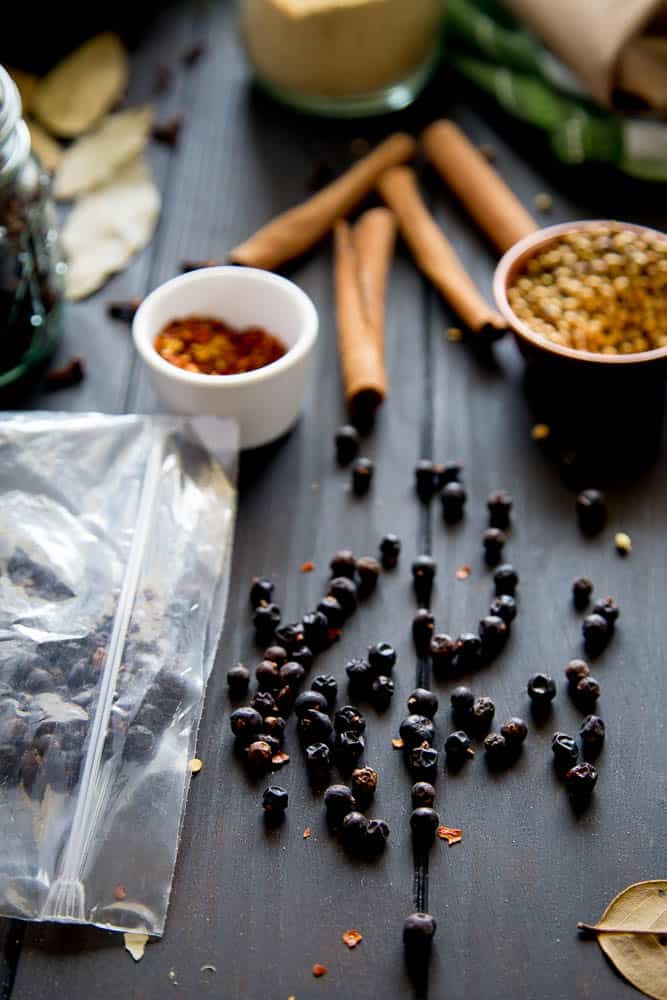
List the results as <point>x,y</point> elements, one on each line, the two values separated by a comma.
<point>397,743</point>
<point>123,311</point>
<point>307,567</point>
<point>319,970</point>
<point>306,833</point>
<point>352,938</point>
<point>450,834</point>
<point>169,131</point>
<point>62,378</point>
<point>463,572</point>
<point>196,265</point>
<point>280,759</point>
<point>194,53</point>
<point>120,892</point>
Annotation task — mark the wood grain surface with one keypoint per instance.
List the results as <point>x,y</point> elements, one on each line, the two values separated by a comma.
<point>263,908</point>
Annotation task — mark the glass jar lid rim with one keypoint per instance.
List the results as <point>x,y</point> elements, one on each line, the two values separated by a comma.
<point>10,104</point>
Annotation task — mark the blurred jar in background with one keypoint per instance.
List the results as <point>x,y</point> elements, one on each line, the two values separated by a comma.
<point>342,57</point>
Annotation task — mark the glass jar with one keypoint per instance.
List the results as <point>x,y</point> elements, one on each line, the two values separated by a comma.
<point>32,268</point>
<point>345,58</point>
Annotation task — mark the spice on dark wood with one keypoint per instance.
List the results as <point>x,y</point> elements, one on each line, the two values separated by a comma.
<point>123,310</point>
<point>64,378</point>
<point>169,131</point>
<point>193,53</point>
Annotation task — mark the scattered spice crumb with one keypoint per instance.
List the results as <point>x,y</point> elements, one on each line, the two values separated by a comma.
<point>397,743</point>
<point>194,53</point>
<point>539,432</point>
<point>543,202</point>
<point>307,567</point>
<point>306,833</point>
<point>623,542</point>
<point>280,759</point>
<point>463,572</point>
<point>488,151</point>
<point>135,944</point>
<point>120,892</point>
<point>351,938</point>
<point>319,970</point>
<point>450,834</point>
<point>62,378</point>
<point>454,334</point>
<point>196,265</point>
<point>169,131</point>
<point>195,765</point>
<point>123,311</point>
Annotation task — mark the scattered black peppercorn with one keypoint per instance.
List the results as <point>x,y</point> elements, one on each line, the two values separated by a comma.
<point>596,632</point>
<point>267,675</point>
<point>265,620</point>
<point>285,699</point>
<point>499,505</point>
<point>332,611</point>
<point>609,610</point>
<point>315,630</point>
<point>493,632</point>
<point>458,747</point>
<point>515,732</point>
<point>565,751</point>
<point>468,650</point>
<point>422,761</point>
<point>258,757</point>
<point>382,691</point>
<point>462,699</point>
<point>582,588</point>
<point>424,821</point>
<point>261,591</point>
<point>310,699</point>
<point>344,591</point>
<point>368,571</point>
<point>276,654</point>
<point>575,670</point>
<point>493,542</point>
<point>423,573</point>
<point>541,690</point>
<point>504,607</point>
<point>382,658</point>
<point>327,685</point>
<point>418,931</point>
<point>453,498</point>
<point>343,563</point>
<point>362,476</point>
<point>481,715</point>
<point>591,511</point>
<point>592,733</point>
<point>338,802</point>
<point>586,693</point>
<point>123,311</point>
<point>347,443</point>
<point>348,719</point>
<point>390,550</point>
<point>63,378</point>
<point>304,656</point>
<point>375,841</point>
<point>353,832</point>
<point>505,580</point>
<point>291,674</point>
<point>415,730</point>
<point>443,652</point>
<point>349,749</point>
<point>290,636</point>
<point>425,480</point>
<point>315,727</point>
<point>168,132</point>
<point>360,676</point>
<point>423,702</point>
<point>496,751</point>
<point>423,626</point>
<point>364,782</point>
<point>245,723</point>
<point>318,760</point>
<point>423,794</point>
<point>264,703</point>
<point>580,781</point>
<point>450,472</point>
<point>275,800</point>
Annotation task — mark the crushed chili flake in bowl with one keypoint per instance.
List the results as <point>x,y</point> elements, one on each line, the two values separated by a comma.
<point>211,347</point>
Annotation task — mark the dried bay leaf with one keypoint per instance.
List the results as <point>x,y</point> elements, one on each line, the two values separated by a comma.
<point>107,227</point>
<point>83,87</point>
<point>46,149</point>
<point>641,958</point>
<point>94,159</point>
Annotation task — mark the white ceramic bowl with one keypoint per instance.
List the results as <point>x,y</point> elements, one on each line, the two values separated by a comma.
<point>265,402</point>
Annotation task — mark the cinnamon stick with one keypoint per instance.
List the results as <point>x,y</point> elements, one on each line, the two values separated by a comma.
<point>496,210</point>
<point>374,236</point>
<point>295,231</point>
<point>432,251</point>
<point>364,375</point>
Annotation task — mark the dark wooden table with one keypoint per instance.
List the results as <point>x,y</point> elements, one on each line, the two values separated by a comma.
<point>263,908</point>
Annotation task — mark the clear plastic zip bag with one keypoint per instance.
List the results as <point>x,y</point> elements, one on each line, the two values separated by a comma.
<point>115,547</point>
